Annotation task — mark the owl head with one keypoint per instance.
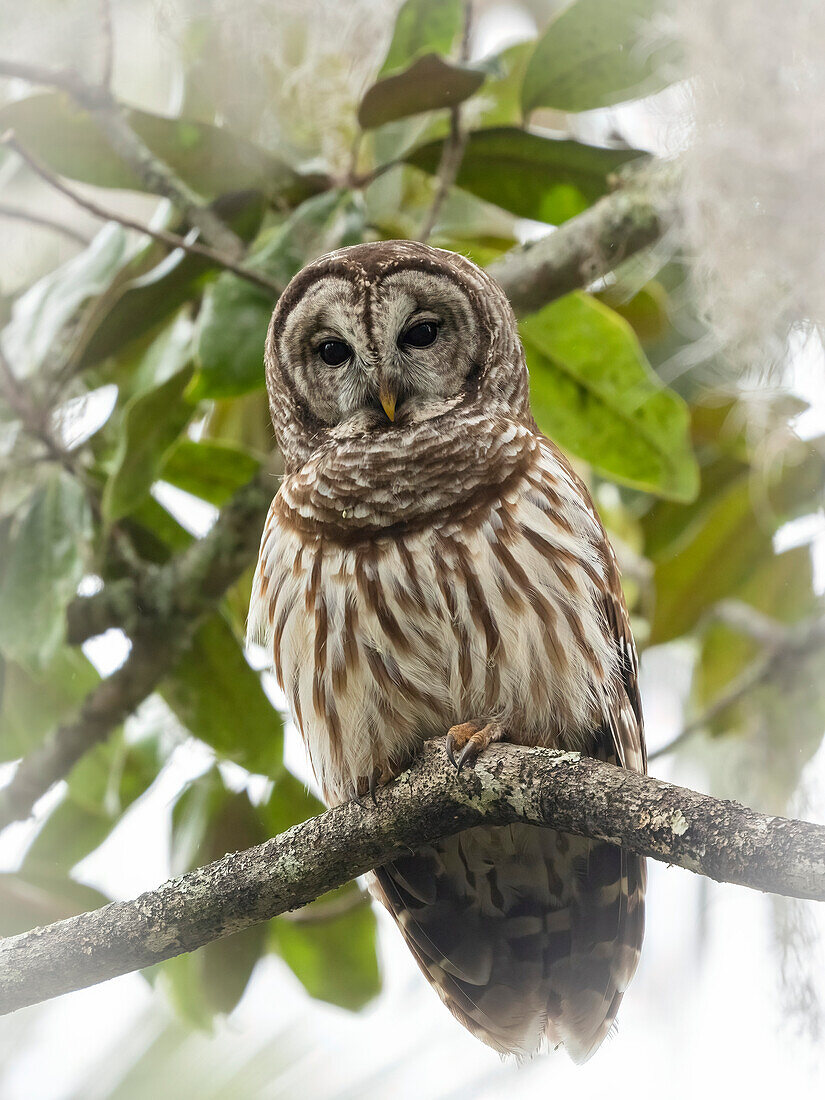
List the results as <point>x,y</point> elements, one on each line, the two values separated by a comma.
<point>379,337</point>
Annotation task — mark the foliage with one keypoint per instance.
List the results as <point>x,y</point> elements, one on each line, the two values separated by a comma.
<point>684,489</point>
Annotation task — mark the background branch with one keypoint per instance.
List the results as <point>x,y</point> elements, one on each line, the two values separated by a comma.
<point>162,620</point>
<point>17,213</point>
<point>563,790</point>
<point>162,236</point>
<point>634,216</point>
<point>453,151</point>
<point>108,116</point>
<point>787,646</point>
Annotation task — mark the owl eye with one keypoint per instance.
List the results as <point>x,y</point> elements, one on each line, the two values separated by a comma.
<point>334,352</point>
<point>420,335</point>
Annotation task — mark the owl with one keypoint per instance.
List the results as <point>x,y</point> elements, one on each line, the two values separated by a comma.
<point>431,566</point>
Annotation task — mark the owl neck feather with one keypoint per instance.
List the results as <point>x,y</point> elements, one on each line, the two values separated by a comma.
<point>383,483</point>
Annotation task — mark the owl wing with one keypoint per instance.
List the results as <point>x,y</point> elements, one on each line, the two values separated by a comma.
<point>526,933</point>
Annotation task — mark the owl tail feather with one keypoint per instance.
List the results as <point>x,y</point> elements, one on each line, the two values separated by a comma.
<point>529,936</point>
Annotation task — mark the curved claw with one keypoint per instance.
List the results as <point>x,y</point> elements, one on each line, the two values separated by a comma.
<point>468,755</point>
<point>374,787</point>
<point>451,753</point>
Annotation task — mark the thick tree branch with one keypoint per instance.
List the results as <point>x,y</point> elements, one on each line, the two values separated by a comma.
<point>164,615</point>
<point>637,214</point>
<point>562,790</point>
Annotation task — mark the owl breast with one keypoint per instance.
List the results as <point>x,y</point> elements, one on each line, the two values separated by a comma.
<point>489,611</point>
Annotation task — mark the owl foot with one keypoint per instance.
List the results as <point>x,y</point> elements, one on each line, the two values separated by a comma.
<point>470,739</point>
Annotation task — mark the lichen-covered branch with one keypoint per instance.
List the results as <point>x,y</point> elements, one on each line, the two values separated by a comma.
<point>632,217</point>
<point>161,615</point>
<point>562,790</point>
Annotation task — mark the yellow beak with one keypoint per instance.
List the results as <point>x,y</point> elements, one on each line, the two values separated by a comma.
<point>387,399</point>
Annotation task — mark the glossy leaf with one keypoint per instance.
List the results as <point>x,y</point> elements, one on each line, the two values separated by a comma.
<point>429,84</point>
<point>593,392</point>
<point>235,315</point>
<point>334,959</point>
<point>421,27</point>
<point>782,587</point>
<point>501,97</point>
<point>594,53</point>
<point>152,422</point>
<point>209,470</point>
<point>43,564</point>
<point>220,700</point>
<point>31,339</point>
<point>735,539</point>
<point>140,299</point>
<point>212,160</point>
<point>101,787</point>
<point>534,176</point>
<point>33,702</point>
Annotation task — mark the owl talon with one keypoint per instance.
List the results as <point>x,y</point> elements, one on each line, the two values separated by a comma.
<point>374,787</point>
<point>472,739</point>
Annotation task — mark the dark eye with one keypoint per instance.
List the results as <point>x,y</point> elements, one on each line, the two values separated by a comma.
<point>334,352</point>
<point>420,335</point>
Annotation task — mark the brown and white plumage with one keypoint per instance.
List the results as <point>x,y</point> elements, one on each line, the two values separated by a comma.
<point>443,567</point>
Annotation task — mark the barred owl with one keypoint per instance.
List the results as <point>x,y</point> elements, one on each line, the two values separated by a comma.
<point>431,564</point>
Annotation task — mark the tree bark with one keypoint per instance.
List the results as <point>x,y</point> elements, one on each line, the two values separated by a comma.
<point>563,790</point>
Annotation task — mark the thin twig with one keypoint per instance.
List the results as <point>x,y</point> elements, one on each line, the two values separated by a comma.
<point>34,420</point>
<point>452,153</point>
<point>796,643</point>
<point>162,236</point>
<point>108,115</point>
<point>17,213</point>
<point>559,790</point>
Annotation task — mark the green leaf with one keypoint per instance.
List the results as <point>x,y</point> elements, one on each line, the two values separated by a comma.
<point>43,565</point>
<point>30,900</point>
<point>646,311</point>
<point>139,299</point>
<point>101,787</point>
<point>289,803</point>
<point>152,422</point>
<point>501,98</point>
<point>41,314</point>
<point>235,316</point>
<point>421,27</point>
<point>34,701</point>
<point>593,54</point>
<point>533,176</point>
<point>782,587</point>
<point>593,392</point>
<point>429,84</point>
<point>734,539</point>
<point>211,160</point>
<point>335,960</point>
<point>219,699</point>
<point>209,470</point>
